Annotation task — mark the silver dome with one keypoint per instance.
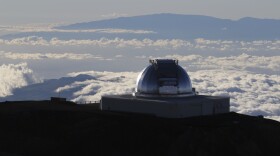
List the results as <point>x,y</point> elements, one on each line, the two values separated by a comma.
<point>164,77</point>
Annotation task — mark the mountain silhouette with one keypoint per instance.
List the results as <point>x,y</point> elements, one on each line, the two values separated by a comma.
<point>168,26</point>
<point>190,26</point>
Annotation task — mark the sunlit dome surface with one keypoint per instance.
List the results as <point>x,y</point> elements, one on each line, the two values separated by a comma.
<point>163,77</point>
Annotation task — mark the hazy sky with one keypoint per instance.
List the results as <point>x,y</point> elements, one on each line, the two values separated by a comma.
<point>71,11</point>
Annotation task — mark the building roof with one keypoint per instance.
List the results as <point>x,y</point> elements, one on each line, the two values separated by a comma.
<point>163,77</point>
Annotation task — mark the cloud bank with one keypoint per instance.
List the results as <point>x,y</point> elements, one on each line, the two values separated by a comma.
<point>40,56</point>
<point>113,15</point>
<point>103,42</point>
<point>15,76</point>
<point>253,94</point>
<point>242,62</point>
<point>105,83</point>
<point>26,29</point>
<point>197,44</point>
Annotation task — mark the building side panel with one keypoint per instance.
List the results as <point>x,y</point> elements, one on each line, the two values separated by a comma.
<point>181,108</point>
<point>222,106</point>
<point>208,107</point>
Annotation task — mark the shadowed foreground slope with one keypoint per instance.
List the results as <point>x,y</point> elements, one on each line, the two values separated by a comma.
<point>42,128</point>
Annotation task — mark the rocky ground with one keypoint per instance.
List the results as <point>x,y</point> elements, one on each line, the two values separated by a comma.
<point>44,128</point>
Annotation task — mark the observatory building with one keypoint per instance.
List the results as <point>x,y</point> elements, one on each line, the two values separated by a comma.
<point>164,89</point>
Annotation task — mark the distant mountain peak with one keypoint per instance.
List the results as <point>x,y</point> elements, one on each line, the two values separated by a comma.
<point>170,26</point>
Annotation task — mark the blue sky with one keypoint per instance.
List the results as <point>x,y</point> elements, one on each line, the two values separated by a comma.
<point>71,11</point>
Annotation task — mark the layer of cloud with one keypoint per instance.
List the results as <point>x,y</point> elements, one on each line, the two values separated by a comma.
<point>198,44</point>
<point>103,42</point>
<point>30,29</point>
<point>15,76</point>
<point>242,62</point>
<point>104,83</point>
<point>113,15</point>
<point>229,45</point>
<point>40,56</point>
<point>253,94</point>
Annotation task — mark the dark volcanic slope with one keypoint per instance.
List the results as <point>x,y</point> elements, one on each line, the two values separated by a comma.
<point>42,128</point>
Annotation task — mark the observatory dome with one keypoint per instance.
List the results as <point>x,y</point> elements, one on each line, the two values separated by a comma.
<point>163,77</point>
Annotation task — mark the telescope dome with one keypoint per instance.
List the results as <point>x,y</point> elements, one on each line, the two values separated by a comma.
<point>163,77</point>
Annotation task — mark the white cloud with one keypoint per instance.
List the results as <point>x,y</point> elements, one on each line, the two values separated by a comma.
<point>103,42</point>
<point>228,45</point>
<point>253,94</point>
<point>39,56</point>
<point>15,76</point>
<point>30,29</point>
<point>113,15</point>
<point>119,56</point>
<point>197,44</point>
<point>245,62</point>
<point>122,43</point>
<point>106,83</point>
<point>119,31</point>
